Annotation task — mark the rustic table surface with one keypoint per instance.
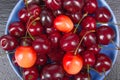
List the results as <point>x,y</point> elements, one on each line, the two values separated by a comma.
<point>7,73</point>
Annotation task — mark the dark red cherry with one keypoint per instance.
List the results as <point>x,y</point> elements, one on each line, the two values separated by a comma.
<point>26,41</point>
<point>23,15</point>
<point>69,41</point>
<point>82,75</point>
<point>41,45</point>
<point>80,49</point>
<point>41,60</point>
<point>94,48</point>
<point>58,12</point>
<point>103,15</point>
<point>73,5</point>
<point>56,55</point>
<point>35,28</point>
<point>46,17</point>
<point>52,72</point>
<point>88,58</point>
<point>90,6</point>
<point>34,10</point>
<point>89,38</point>
<point>17,29</point>
<point>8,42</point>
<point>55,39</point>
<point>53,4</point>
<point>30,73</point>
<point>51,30</point>
<point>88,23</point>
<point>76,17</point>
<point>103,63</point>
<point>105,34</point>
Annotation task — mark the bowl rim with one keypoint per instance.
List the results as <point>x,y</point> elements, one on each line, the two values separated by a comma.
<point>103,2</point>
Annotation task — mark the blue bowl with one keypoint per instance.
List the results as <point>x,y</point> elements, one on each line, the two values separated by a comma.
<point>111,53</point>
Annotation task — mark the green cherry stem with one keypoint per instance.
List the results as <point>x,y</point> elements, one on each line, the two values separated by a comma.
<point>82,40</point>
<point>36,19</point>
<point>26,4</point>
<point>80,22</point>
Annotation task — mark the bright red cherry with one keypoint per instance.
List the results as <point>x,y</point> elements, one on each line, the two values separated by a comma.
<point>72,63</point>
<point>63,23</point>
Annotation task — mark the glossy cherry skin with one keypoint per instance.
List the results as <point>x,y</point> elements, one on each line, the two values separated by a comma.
<point>41,45</point>
<point>30,73</point>
<point>103,15</point>
<point>51,30</point>
<point>8,42</point>
<point>75,17</point>
<point>82,75</point>
<point>88,38</point>
<point>58,12</point>
<point>72,64</point>
<point>26,41</point>
<point>34,10</point>
<point>55,39</point>
<point>73,5</point>
<point>88,23</point>
<point>46,17</point>
<point>90,6</point>
<point>35,29</point>
<point>17,29</point>
<point>52,72</point>
<point>69,41</point>
<point>33,1</point>
<point>88,58</point>
<point>63,23</point>
<point>53,4</point>
<point>41,60</point>
<point>23,15</point>
<point>103,63</point>
<point>94,48</point>
<point>25,56</point>
<point>105,34</point>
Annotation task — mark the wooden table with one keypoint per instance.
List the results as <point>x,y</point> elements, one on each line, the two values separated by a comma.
<point>7,73</point>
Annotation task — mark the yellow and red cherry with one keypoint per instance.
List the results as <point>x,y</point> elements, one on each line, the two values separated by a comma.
<point>72,64</point>
<point>63,23</point>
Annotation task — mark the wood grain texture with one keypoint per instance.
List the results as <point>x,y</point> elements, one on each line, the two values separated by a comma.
<point>7,73</point>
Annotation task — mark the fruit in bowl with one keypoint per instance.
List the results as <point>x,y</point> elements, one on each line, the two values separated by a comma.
<point>59,40</point>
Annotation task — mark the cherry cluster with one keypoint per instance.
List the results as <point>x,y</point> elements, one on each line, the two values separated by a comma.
<point>59,39</point>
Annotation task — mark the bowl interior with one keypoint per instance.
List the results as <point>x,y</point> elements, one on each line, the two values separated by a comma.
<point>111,53</point>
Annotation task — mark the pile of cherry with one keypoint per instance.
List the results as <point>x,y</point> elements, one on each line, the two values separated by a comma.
<point>59,39</point>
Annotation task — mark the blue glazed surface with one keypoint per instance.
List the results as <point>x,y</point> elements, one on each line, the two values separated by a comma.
<point>111,53</point>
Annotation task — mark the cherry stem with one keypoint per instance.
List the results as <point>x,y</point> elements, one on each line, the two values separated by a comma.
<point>28,24</point>
<point>36,19</point>
<point>26,4</point>
<point>88,71</point>
<point>104,74</point>
<point>82,40</point>
<point>80,22</point>
<point>117,47</point>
